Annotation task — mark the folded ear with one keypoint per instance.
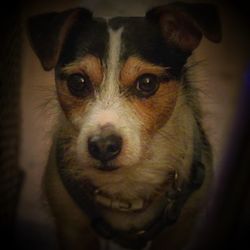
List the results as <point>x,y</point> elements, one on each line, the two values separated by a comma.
<point>183,24</point>
<point>47,33</point>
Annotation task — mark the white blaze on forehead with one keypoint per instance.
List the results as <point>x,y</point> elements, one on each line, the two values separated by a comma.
<point>110,107</point>
<point>110,84</point>
<point>114,50</point>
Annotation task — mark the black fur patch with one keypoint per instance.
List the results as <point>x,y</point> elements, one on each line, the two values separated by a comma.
<point>85,38</point>
<point>142,38</point>
<point>139,38</point>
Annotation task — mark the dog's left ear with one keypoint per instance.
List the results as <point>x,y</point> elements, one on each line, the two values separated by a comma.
<point>183,24</point>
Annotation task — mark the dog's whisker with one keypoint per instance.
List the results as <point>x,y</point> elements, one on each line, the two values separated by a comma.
<point>194,64</point>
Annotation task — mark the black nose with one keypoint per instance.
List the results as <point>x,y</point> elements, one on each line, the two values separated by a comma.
<point>105,147</point>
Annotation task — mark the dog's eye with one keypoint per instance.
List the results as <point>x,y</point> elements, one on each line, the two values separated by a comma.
<point>79,85</point>
<point>147,85</point>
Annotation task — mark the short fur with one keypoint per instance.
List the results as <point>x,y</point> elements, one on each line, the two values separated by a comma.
<point>161,133</point>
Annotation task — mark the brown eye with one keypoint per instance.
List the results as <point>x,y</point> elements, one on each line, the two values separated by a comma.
<point>79,85</point>
<point>147,85</point>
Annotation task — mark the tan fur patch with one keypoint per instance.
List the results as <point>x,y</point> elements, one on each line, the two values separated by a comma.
<point>89,65</point>
<point>155,110</point>
<point>134,67</point>
<point>72,106</point>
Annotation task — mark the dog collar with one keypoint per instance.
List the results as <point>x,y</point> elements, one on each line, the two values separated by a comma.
<point>174,198</point>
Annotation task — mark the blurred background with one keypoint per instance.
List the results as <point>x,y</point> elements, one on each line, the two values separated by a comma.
<point>27,114</point>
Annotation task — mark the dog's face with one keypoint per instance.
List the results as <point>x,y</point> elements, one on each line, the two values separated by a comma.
<point>119,84</point>
<point>116,91</point>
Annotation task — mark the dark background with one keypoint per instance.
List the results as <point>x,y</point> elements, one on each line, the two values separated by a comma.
<point>26,122</point>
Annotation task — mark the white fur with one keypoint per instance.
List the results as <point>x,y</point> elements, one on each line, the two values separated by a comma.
<point>110,85</point>
<point>110,107</point>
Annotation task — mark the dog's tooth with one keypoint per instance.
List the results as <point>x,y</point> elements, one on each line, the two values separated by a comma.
<point>141,232</point>
<point>176,176</point>
<point>176,184</point>
<point>137,204</point>
<point>124,206</point>
<point>103,200</point>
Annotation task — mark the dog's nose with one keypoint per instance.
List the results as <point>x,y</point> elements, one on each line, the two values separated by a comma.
<point>105,147</point>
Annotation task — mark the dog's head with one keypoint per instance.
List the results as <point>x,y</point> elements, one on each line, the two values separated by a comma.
<point>119,83</point>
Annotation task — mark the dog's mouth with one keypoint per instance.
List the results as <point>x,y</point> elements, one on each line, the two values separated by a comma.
<point>104,200</point>
<point>169,187</point>
<point>106,166</point>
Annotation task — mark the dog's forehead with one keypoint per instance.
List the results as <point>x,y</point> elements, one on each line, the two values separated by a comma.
<point>139,37</point>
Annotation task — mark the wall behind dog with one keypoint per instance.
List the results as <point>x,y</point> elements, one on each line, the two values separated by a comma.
<point>218,75</point>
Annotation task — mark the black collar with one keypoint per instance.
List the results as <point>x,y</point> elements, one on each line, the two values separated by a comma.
<point>175,197</point>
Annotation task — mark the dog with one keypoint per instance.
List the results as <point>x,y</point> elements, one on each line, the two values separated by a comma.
<point>130,162</point>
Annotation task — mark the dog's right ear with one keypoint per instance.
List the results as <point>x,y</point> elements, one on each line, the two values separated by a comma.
<point>184,24</point>
<point>47,33</point>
